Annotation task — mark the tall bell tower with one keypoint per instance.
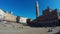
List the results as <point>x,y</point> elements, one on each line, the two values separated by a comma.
<point>37,9</point>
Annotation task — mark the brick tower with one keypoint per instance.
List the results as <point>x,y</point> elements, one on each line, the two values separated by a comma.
<point>37,9</point>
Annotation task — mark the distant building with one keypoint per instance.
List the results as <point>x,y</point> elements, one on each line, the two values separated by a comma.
<point>22,20</point>
<point>10,17</point>
<point>2,14</point>
<point>49,18</point>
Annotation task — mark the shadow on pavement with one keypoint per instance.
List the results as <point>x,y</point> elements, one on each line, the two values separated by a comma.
<point>58,32</point>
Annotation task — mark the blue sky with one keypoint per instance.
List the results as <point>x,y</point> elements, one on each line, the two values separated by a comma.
<point>26,8</point>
